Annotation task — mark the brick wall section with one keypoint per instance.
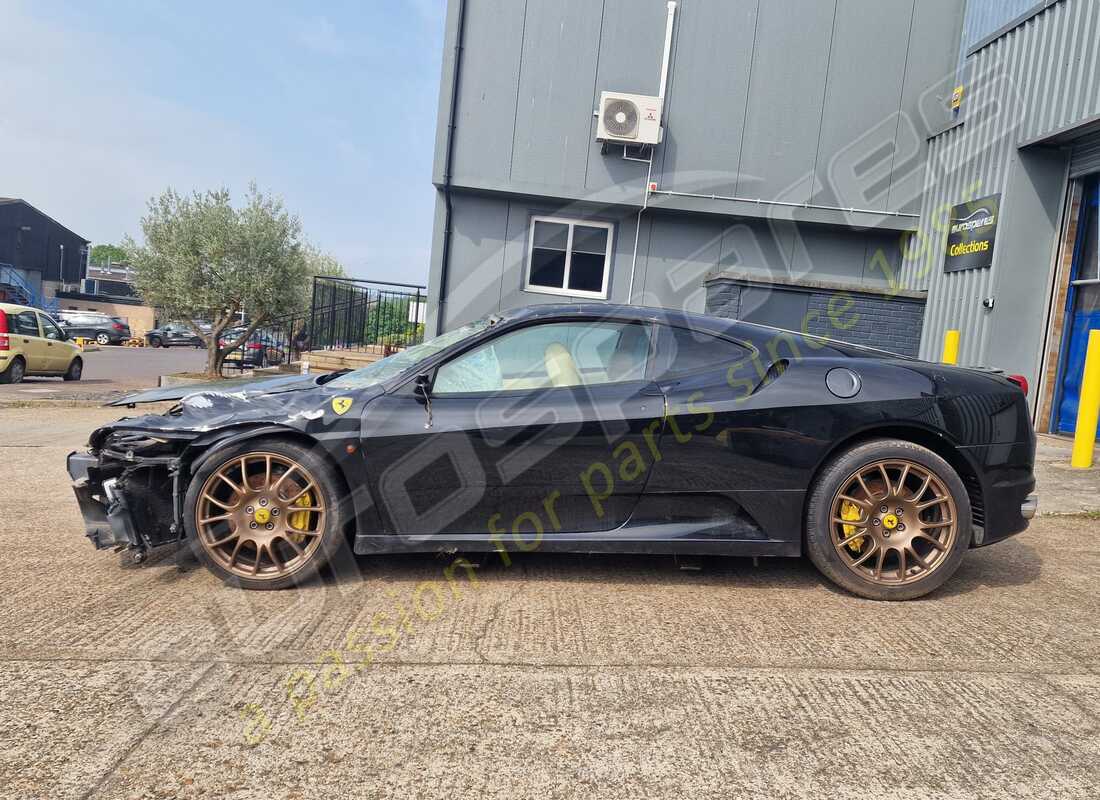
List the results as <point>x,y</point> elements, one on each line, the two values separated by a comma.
<point>724,300</point>
<point>892,324</point>
<point>876,320</point>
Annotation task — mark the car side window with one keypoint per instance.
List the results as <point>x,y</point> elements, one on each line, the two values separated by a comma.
<point>551,355</point>
<point>50,330</point>
<point>684,351</point>
<point>25,323</point>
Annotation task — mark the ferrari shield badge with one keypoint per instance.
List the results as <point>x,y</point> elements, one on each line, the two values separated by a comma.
<point>341,405</point>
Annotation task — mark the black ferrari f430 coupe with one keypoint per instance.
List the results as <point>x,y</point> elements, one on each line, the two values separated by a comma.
<point>587,429</point>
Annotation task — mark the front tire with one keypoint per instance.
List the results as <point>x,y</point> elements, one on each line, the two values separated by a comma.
<point>266,514</point>
<point>75,370</point>
<point>154,342</point>
<point>888,520</point>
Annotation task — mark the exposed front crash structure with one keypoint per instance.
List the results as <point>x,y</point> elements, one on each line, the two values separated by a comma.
<point>129,491</point>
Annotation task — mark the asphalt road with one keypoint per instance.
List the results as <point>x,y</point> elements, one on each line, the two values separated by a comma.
<point>560,676</point>
<point>111,370</point>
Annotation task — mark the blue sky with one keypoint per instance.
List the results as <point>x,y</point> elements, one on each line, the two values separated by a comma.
<point>331,105</point>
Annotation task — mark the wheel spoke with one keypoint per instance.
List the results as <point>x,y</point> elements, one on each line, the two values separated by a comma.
<point>233,555</point>
<point>901,563</point>
<point>852,537</point>
<point>226,540</point>
<point>208,520</point>
<point>275,557</point>
<point>303,531</point>
<point>244,472</point>
<point>920,561</point>
<point>941,524</point>
<point>283,477</point>
<point>863,485</point>
<point>860,523</point>
<point>293,544</point>
<point>267,473</point>
<point>299,494</point>
<point>904,476</point>
<point>886,480</point>
<point>230,483</point>
<point>935,501</point>
<point>923,488</point>
<point>218,502</point>
<point>933,540</point>
<point>881,561</point>
<point>860,503</point>
<point>864,556</point>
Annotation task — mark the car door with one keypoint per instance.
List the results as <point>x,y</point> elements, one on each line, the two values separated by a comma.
<point>24,325</point>
<point>84,326</point>
<point>58,352</point>
<point>549,428</point>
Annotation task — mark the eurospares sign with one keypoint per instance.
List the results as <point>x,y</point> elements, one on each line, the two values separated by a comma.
<point>972,233</point>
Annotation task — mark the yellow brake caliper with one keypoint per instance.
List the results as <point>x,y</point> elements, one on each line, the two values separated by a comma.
<point>300,519</point>
<point>849,510</point>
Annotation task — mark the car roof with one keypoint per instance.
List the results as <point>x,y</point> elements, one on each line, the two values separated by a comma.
<point>759,335</point>
<point>15,307</point>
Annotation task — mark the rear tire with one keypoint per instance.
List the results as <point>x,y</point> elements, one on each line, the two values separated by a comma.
<point>301,556</point>
<point>102,339</point>
<point>75,370</point>
<point>904,551</point>
<point>15,372</point>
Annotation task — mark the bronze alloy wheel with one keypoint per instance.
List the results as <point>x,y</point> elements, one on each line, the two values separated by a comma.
<point>260,516</point>
<point>893,522</point>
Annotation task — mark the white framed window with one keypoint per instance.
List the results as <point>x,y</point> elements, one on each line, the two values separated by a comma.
<point>569,257</point>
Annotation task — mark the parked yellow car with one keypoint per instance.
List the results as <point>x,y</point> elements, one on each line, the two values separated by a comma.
<point>33,344</point>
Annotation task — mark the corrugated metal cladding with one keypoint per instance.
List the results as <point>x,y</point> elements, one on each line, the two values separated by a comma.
<point>1085,157</point>
<point>1040,77</point>
<point>984,17</point>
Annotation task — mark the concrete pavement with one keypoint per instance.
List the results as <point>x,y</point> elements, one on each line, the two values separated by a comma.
<point>560,676</point>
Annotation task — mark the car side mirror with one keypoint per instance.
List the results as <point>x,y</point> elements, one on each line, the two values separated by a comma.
<point>423,389</point>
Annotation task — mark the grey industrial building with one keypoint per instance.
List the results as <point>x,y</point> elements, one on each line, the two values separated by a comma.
<point>836,166</point>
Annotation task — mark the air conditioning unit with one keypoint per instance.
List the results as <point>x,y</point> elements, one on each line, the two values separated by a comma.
<point>629,119</point>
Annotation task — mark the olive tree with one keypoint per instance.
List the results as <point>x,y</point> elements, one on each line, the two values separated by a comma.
<point>203,258</point>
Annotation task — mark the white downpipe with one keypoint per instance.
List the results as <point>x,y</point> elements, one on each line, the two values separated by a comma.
<point>638,230</point>
<point>668,52</point>
<point>666,59</point>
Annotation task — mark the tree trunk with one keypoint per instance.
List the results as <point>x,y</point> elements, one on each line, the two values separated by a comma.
<point>214,358</point>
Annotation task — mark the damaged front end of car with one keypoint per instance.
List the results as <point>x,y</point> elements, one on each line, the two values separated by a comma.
<point>132,480</point>
<point>130,487</point>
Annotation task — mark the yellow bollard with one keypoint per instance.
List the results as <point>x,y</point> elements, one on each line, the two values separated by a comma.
<point>1088,406</point>
<point>951,347</point>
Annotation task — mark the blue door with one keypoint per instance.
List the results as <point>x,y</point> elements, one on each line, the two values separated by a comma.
<point>1082,310</point>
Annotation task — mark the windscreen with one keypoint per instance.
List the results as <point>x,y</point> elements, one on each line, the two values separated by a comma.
<point>392,366</point>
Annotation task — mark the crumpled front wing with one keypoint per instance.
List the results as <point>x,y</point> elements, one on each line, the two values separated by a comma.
<point>107,520</point>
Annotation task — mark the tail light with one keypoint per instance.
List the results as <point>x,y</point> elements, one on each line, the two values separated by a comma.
<point>117,326</point>
<point>4,345</point>
<point>1020,381</point>
<point>254,346</point>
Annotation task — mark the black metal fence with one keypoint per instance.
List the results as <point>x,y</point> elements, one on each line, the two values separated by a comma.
<point>345,314</point>
<point>362,315</point>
